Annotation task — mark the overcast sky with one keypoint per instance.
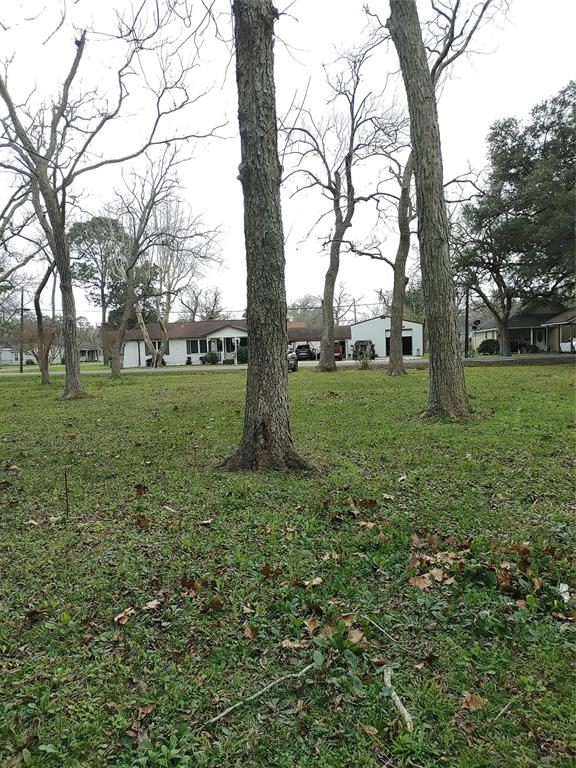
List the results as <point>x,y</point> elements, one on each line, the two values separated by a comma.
<point>525,58</point>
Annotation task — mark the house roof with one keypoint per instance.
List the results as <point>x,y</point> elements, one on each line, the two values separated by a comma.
<point>186,330</point>
<point>568,316</point>
<point>314,333</point>
<point>521,320</point>
<point>384,317</point>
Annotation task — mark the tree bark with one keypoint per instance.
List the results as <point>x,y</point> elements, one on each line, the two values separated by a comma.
<point>103,338</point>
<point>266,441</point>
<point>44,344</point>
<point>327,359</point>
<point>396,362</point>
<point>504,336</point>
<point>118,342</point>
<point>447,395</point>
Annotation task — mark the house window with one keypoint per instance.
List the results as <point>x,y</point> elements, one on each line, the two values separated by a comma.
<point>158,344</point>
<point>203,345</point>
<point>191,346</point>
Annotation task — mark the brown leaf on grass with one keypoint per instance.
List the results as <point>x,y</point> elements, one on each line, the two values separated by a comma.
<point>190,585</point>
<point>472,702</point>
<point>208,521</point>
<point>250,632</point>
<point>538,582</point>
<point>437,573</point>
<point>299,708</point>
<point>365,503</point>
<point>12,469</point>
<point>112,707</point>
<point>142,522</point>
<point>369,524</point>
<point>357,637</point>
<point>151,605</point>
<point>432,539</point>
<point>142,712</point>
<point>123,617</point>
<point>422,582</point>
<point>311,625</point>
<point>387,497</point>
<point>328,631</point>
<point>141,489</point>
<point>315,582</point>
<point>418,542</point>
<point>570,616</point>
<point>348,618</point>
<point>294,644</point>
<point>270,571</point>
<point>246,609</point>
<point>379,661</point>
<point>450,581</point>
<point>369,729</point>
<point>214,604</point>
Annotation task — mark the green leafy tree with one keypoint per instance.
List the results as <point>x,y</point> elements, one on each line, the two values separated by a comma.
<point>95,245</point>
<point>516,241</point>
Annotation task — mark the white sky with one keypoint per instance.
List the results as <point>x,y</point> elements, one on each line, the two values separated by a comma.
<point>528,57</point>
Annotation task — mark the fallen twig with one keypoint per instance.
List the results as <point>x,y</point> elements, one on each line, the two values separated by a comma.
<point>384,632</point>
<point>405,716</point>
<point>259,693</point>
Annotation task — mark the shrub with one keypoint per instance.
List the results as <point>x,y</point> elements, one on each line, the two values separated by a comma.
<point>489,347</point>
<point>242,355</point>
<point>30,362</point>
<point>189,360</point>
<point>210,358</point>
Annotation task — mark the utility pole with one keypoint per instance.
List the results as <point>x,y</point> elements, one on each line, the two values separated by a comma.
<point>466,320</point>
<point>22,331</point>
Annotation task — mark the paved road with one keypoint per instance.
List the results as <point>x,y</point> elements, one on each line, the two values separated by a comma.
<point>411,362</point>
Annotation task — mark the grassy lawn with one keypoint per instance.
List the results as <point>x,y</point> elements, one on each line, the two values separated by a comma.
<point>169,590</point>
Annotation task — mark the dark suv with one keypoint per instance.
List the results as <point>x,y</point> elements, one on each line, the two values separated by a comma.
<point>363,347</point>
<point>306,352</point>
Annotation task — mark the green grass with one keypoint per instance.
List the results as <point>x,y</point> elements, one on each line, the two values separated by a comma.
<point>79,689</point>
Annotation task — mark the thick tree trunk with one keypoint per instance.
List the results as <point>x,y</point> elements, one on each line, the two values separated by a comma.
<point>396,362</point>
<point>147,340</point>
<point>504,336</point>
<point>266,440</point>
<point>118,342</point>
<point>103,338</point>
<point>447,386</point>
<point>73,387</point>
<point>327,359</point>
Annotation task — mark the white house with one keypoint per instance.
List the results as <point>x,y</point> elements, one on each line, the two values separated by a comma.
<point>377,330</point>
<point>187,342</point>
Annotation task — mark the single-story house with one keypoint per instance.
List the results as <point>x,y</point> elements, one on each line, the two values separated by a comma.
<point>539,324</point>
<point>377,330</point>
<point>298,333</point>
<point>89,353</point>
<point>187,342</point>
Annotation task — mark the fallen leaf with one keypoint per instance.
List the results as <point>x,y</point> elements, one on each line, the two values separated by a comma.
<point>299,708</point>
<point>387,497</point>
<point>12,469</point>
<point>432,539</point>
<point>379,661</point>
<point>315,582</point>
<point>437,573</point>
<point>419,665</point>
<point>417,542</point>
<point>31,522</point>
<point>348,618</point>
<point>269,571</point>
<point>311,625</point>
<point>152,605</point>
<point>214,604</point>
<point>422,582</point>
<point>208,521</point>
<point>142,522</point>
<point>472,702</point>
<point>365,503</point>
<point>369,729</point>
<point>448,582</point>
<point>369,524</point>
<point>123,617</point>
<point>294,643</point>
<point>357,637</point>
<point>246,609</point>
<point>141,489</point>
<point>328,631</point>
<point>112,707</point>
<point>144,711</point>
<point>250,633</point>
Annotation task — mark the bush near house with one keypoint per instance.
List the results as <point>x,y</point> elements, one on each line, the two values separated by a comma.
<point>210,358</point>
<point>242,355</point>
<point>489,347</point>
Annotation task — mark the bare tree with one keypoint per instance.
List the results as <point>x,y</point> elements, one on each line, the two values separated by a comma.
<point>447,386</point>
<point>203,304</point>
<point>266,440</point>
<point>48,146</point>
<point>185,247</point>
<point>144,194</point>
<point>328,153</point>
<point>46,332</point>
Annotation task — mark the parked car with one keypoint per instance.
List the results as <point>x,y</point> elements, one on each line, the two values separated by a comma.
<point>338,351</point>
<point>306,352</point>
<point>292,360</point>
<point>568,346</point>
<point>362,347</point>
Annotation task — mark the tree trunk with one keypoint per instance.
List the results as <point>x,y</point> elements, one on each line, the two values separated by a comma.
<point>266,441</point>
<point>73,387</point>
<point>396,362</point>
<point>43,343</point>
<point>103,338</point>
<point>147,340</point>
<point>327,359</point>
<point>504,336</point>
<point>118,342</point>
<point>447,386</point>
